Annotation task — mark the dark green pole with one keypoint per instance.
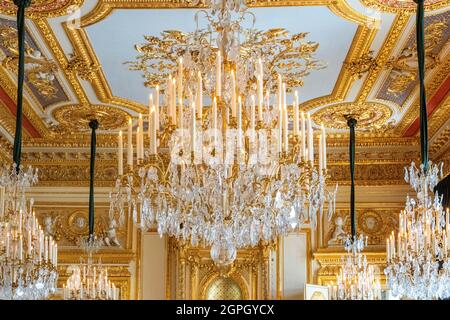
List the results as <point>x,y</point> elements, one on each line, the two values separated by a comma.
<point>17,149</point>
<point>94,126</point>
<point>352,124</point>
<point>420,30</point>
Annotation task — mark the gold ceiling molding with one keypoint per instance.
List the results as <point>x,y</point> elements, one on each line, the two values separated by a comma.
<point>370,115</point>
<point>84,70</point>
<point>360,46</point>
<point>76,118</point>
<point>361,65</point>
<point>7,120</point>
<point>361,43</point>
<point>43,8</point>
<point>53,44</point>
<point>404,6</point>
<point>341,8</point>
<point>432,86</point>
<point>11,90</point>
<point>396,31</point>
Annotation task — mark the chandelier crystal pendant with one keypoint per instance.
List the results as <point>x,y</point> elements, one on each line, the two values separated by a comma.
<point>28,258</point>
<point>89,280</point>
<point>240,171</point>
<point>356,279</point>
<point>418,265</point>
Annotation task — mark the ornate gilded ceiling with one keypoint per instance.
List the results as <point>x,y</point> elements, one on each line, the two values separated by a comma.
<point>76,50</point>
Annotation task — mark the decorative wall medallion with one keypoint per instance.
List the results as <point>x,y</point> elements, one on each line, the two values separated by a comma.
<point>377,224</point>
<point>370,115</point>
<point>43,8</point>
<point>77,117</point>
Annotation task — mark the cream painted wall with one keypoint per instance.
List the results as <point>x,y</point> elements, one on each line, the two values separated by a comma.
<point>295,266</point>
<point>154,257</point>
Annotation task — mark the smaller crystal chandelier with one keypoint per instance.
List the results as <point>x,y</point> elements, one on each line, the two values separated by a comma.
<point>356,279</point>
<point>418,265</point>
<point>89,281</point>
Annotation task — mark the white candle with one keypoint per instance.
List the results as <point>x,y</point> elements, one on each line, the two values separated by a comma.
<point>120,154</point>
<point>280,88</point>
<point>29,246</point>
<point>7,243</point>
<point>233,94</point>
<point>169,92</point>
<point>303,143</point>
<point>267,101</point>
<point>138,144</point>
<point>214,122</point>
<point>180,114</point>
<point>20,248</point>
<point>239,125</point>
<point>50,250</point>
<point>320,154</point>
<point>285,120</point>
<point>180,79</point>
<point>200,96</point>
<point>252,112</point>
<point>174,102</point>
<point>157,107</point>
<point>150,107</point>
<point>153,131</point>
<point>218,74</point>
<point>295,106</point>
<point>2,201</point>
<point>193,127</point>
<point>55,255</point>
<point>310,140</point>
<point>130,144</point>
<point>324,147</point>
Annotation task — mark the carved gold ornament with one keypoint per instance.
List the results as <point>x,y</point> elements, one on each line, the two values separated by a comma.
<point>404,5</point>
<point>39,70</point>
<point>361,65</point>
<point>370,115</point>
<point>404,67</point>
<point>43,8</point>
<point>289,55</point>
<point>83,69</point>
<point>77,117</point>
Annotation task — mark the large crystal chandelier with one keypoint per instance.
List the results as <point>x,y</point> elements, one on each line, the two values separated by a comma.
<point>356,279</point>
<point>418,265</point>
<point>28,259</point>
<point>89,280</point>
<point>240,171</point>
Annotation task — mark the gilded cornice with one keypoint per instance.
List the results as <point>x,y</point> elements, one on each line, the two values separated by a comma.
<point>396,31</point>
<point>432,86</point>
<point>11,90</point>
<point>410,8</point>
<point>42,9</point>
<point>52,43</point>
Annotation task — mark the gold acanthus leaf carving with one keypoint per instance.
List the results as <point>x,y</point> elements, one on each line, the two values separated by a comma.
<point>83,69</point>
<point>361,65</point>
